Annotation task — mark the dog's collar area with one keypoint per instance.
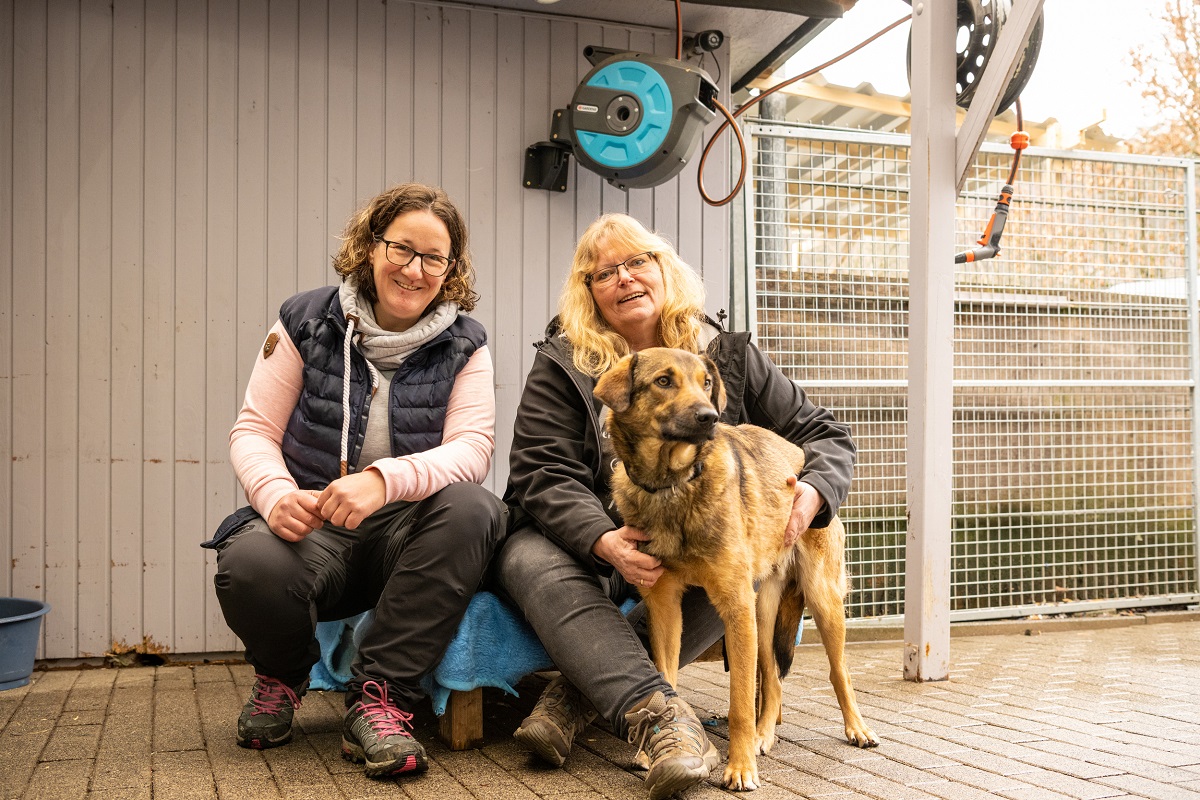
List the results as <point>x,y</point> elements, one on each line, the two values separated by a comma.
<point>697,468</point>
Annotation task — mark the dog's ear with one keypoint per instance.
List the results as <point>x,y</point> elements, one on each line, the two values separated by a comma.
<point>718,386</point>
<point>615,387</point>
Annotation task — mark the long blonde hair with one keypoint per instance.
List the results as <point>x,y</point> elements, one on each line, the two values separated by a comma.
<point>597,347</point>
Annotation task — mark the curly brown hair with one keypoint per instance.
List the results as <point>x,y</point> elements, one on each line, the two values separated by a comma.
<point>369,223</point>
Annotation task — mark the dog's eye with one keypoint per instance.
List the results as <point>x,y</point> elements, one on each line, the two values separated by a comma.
<point>663,380</point>
<point>708,383</point>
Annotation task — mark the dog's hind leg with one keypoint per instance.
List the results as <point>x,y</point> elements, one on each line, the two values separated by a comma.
<point>825,586</point>
<point>664,606</point>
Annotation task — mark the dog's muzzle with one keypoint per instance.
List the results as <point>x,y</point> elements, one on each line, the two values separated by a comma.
<point>695,428</point>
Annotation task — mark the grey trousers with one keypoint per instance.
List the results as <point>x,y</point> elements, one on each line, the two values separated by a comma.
<point>416,564</point>
<point>576,615</point>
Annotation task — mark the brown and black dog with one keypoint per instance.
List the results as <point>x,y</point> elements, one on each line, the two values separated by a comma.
<point>714,500</point>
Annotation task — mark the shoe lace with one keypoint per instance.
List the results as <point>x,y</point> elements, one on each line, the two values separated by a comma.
<point>271,695</point>
<point>383,717</point>
<point>559,702</point>
<point>663,729</point>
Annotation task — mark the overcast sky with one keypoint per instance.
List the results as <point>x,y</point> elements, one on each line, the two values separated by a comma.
<point>1080,78</point>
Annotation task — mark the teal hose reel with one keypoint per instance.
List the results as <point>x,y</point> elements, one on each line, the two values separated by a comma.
<point>635,119</point>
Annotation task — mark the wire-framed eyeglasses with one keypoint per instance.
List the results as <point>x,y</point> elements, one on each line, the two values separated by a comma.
<point>402,255</point>
<point>634,265</point>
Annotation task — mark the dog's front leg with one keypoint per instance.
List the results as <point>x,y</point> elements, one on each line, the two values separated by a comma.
<point>741,643</point>
<point>664,604</point>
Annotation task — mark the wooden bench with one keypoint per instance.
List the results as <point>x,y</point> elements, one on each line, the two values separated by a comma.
<point>461,727</point>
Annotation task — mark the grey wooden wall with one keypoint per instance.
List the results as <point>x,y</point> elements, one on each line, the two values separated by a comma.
<point>170,170</point>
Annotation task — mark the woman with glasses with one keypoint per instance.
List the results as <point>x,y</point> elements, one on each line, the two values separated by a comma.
<point>570,563</point>
<point>367,428</point>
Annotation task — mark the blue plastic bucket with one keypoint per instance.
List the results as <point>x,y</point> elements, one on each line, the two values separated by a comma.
<point>20,623</point>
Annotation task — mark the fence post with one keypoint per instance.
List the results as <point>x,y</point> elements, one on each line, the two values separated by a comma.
<point>930,345</point>
<point>1193,298</point>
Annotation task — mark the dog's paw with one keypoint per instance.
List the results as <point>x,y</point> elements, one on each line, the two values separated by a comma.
<point>744,779</point>
<point>861,736</point>
<point>764,742</point>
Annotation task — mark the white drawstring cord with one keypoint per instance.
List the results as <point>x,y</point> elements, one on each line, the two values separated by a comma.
<point>351,321</point>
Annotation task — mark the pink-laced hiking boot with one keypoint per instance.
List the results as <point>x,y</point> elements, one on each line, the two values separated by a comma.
<point>266,719</point>
<point>377,733</point>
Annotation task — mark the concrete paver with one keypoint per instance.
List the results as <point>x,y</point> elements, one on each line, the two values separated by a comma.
<point>1105,713</point>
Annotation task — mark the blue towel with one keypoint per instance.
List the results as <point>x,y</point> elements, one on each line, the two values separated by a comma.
<point>493,647</point>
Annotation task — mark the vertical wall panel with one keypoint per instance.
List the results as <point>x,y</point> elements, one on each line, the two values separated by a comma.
<point>7,195</point>
<point>342,194</point>
<point>94,520</point>
<point>158,327</point>
<point>62,333</point>
<point>221,362</point>
<point>253,306</point>
<point>481,202</point>
<point>512,353</point>
<point>560,249</point>
<point>369,83</point>
<point>178,170</point>
<point>313,240</point>
<point>282,166</point>
<point>29,302</point>
<point>399,112</point>
<point>535,227</point>
<point>426,109</point>
<point>191,81</point>
<point>127,366</point>
<point>455,122</point>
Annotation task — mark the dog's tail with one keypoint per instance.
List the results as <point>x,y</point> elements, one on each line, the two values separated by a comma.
<point>787,623</point>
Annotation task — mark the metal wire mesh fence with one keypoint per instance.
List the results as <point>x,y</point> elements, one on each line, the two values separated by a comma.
<point>1075,364</point>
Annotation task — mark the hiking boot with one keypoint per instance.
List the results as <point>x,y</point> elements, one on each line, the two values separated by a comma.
<point>557,718</point>
<point>377,733</point>
<point>668,731</point>
<point>266,719</point>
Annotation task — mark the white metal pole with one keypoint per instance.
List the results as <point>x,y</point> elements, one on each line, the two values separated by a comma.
<point>1193,299</point>
<point>930,344</point>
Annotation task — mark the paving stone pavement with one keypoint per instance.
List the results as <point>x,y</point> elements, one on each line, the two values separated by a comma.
<point>1086,714</point>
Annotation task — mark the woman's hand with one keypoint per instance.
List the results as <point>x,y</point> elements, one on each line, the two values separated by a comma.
<point>620,548</point>
<point>806,504</point>
<point>295,516</point>
<point>352,498</point>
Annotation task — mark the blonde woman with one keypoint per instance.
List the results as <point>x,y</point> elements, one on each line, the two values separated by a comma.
<point>569,561</point>
<point>367,429</point>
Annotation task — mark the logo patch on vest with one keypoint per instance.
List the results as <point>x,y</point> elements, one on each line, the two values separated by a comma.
<point>269,344</point>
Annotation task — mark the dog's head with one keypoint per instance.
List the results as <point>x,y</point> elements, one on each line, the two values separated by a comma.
<point>673,394</point>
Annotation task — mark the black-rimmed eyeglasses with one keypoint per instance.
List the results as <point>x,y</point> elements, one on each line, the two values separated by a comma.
<point>402,255</point>
<point>634,265</point>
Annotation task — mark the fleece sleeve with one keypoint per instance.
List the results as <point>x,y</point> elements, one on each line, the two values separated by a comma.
<point>256,441</point>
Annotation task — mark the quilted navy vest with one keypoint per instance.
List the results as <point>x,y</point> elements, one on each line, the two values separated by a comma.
<point>418,395</point>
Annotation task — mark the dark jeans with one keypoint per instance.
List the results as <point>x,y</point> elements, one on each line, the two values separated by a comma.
<point>416,564</point>
<point>576,615</point>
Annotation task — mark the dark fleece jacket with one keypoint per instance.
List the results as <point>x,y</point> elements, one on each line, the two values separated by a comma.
<point>560,464</point>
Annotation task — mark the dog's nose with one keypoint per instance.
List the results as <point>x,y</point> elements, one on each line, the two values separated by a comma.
<point>706,416</point>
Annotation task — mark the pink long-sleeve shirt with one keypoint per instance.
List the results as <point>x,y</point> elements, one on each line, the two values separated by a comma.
<point>256,441</point>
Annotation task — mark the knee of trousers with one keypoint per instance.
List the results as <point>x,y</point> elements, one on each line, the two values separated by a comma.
<point>257,567</point>
<point>469,515</point>
<point>529,561</point>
